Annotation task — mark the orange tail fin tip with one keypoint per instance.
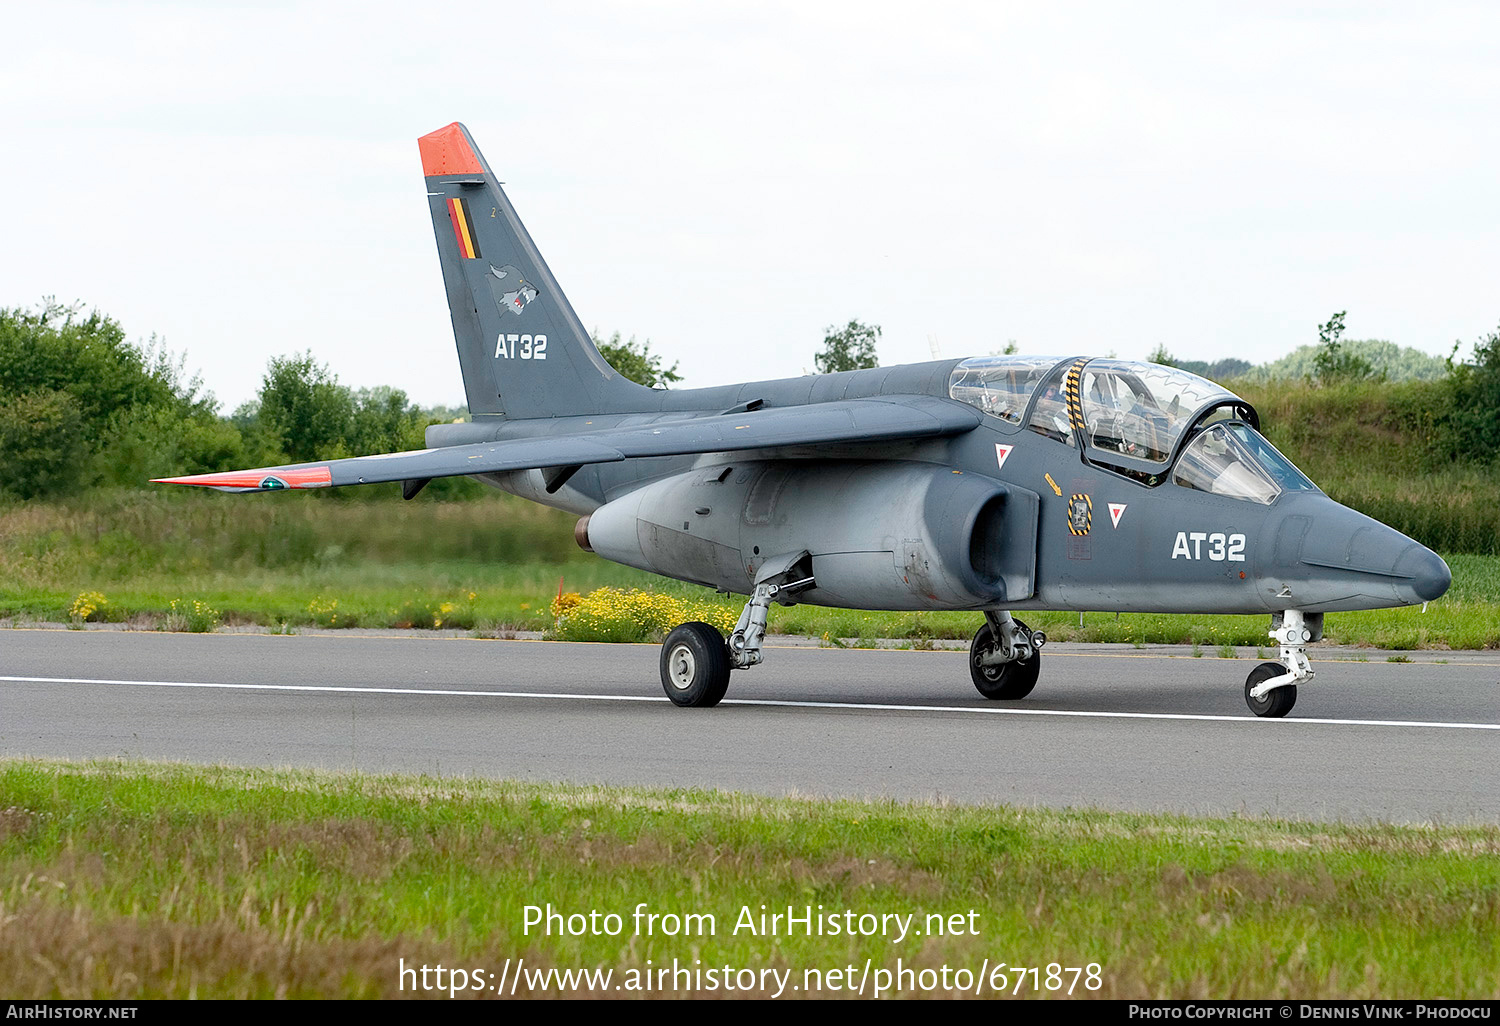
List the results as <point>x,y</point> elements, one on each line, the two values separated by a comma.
<point>447,152</point>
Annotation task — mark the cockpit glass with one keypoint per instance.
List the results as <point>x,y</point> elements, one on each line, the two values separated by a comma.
<point>1233,459</point>
<point>1000,386</point>
<point>1141,409</point>
<point>1050,416</point>
<point>1271,461</point>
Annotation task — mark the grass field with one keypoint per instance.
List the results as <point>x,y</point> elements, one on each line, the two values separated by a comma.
<point>127,880</point>
<point>494,599</point>
<point>494,564</point>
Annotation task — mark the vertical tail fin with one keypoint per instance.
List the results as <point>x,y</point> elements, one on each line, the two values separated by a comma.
<point>523,351</point>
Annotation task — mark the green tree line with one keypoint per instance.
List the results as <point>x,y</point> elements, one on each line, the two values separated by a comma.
<point>82,406</point>
<point>1440,412</point>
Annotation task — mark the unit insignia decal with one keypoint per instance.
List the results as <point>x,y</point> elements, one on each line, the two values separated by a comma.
<point>511,289</point>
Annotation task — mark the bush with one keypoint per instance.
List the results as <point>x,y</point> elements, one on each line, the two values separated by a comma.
<point>194,616</point>
<point>89,605</point>
<point>79,403</point>
<point>304,414</point>
<point>433,614</point>
<point>43,450</point>
<point>1475,401</point>
<point>325,613</point>
<point>632,615</point>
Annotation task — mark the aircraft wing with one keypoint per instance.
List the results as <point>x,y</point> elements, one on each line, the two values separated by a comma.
<point>885,419</point>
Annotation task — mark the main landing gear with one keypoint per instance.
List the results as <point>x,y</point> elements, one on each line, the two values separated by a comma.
<point>1004,660</point>
<point>1006,657</point>
<point>696,660</point>
<point>1271,688</point>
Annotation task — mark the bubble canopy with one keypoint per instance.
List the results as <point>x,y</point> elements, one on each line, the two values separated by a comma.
<point>1000,386</point>
<point>1141,410</point>
<point>1131,415</point>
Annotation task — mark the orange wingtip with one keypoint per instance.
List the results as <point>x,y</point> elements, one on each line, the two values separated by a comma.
<point>447,152</point>
<point>270,480</point>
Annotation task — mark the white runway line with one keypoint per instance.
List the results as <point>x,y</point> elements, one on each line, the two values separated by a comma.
<point>986,710</point>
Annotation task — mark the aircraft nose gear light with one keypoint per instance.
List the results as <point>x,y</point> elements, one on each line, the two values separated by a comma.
<point>1271,688</point>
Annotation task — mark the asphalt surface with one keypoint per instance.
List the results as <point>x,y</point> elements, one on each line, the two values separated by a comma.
<point>1106,727</point>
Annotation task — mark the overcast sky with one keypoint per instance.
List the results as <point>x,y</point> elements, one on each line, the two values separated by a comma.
<point>729,179</point>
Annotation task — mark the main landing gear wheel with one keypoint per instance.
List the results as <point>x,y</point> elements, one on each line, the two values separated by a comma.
<point>1007,681</point>
<point>695,665</point>
<point>1274,703</point>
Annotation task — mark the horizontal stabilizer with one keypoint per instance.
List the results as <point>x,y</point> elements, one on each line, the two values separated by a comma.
<point>846,421</point>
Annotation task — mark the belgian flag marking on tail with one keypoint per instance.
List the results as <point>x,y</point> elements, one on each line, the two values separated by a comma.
<point>463,228</point>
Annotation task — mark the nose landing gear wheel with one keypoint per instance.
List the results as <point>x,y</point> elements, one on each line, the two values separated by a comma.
<point>695,666</point>
<point>1007,681</point>
<point>1275,703</point>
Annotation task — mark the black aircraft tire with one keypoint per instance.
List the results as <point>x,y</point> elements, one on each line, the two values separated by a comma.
<point>695,666</point>
<point>1008,681</point>
<point>1275,703</point>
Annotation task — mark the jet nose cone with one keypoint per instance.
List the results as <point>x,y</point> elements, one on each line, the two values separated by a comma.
<point>1361,563</point>
<point>1429,576</point>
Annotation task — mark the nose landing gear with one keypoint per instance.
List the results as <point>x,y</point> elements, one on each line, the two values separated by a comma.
<point>1271,688</point>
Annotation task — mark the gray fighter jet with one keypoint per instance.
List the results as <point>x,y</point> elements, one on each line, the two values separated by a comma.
<point>995,484</point>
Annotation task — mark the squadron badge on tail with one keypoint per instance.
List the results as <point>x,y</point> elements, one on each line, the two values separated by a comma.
<point>511,290</point>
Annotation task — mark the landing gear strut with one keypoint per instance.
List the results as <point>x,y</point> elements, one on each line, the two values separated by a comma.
<point>696,660</point>
<point>1006,657</point>
<point>1271,688</point>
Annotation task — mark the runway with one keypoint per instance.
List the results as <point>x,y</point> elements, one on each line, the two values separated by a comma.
<point>1403,742</point>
